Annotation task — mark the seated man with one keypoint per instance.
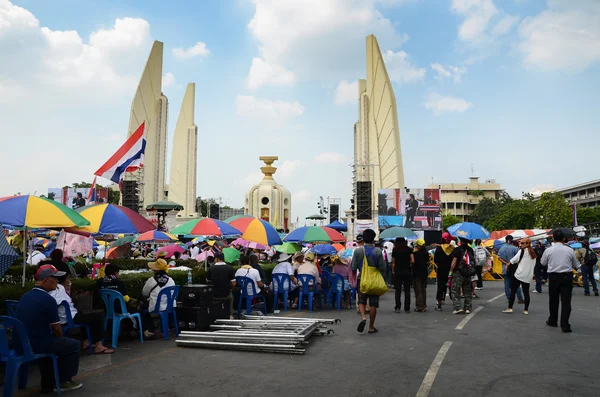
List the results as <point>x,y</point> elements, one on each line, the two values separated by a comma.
<point>254,263</point>
<point>151,289</point>
<point>260,287</point>
<point>36,256</point>
<point>222,276</point>
<point>95,321</point>
<point>309,267</point>
<point>284,266</point>
<point>39,314</point>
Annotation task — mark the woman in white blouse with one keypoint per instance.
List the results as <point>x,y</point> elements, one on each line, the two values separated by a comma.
<point>522,264</point>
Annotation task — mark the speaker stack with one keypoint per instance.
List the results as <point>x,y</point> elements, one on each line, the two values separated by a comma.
<point>198,309</point>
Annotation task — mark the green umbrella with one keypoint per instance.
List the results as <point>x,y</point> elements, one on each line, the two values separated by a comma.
<point>231,255</point>
<point>122,241</point>
<point>397,231</point>
<point>288,248</point>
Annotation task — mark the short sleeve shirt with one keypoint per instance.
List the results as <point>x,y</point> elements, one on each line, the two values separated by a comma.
<point>250,273</point>
<point>286,268</point>
<point>37,310</point>
<point>220,275</point>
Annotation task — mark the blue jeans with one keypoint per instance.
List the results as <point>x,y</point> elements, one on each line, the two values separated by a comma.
<point>507,280</point>
<point>587,272</point>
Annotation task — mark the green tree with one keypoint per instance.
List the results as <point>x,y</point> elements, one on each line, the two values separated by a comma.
<point>201,206</point>
<point>553,211</point>
<point>588,215</point>
<point>81,185</point>
<point>517,214</point>
<point>449,220</point>
<point>113,196</point>
<point>485,210</point>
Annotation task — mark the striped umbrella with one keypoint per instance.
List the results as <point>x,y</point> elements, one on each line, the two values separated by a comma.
<point>206,227</point>
<point>312,234</point>
<point>114,219</point>
<point>7,255</point>
<point>517,234</point>
<point>38,212</point>
<point>240,222</point>
<point>155,236</point>
<point>262,232</point>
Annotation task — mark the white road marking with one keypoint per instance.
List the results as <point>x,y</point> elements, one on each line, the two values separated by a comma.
<point>433,370</point>
<point>464,322</point>
<point>496,297</point>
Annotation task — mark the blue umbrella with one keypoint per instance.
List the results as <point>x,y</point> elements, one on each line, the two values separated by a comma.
<point>576,246</point>
<point>469,231</point>
<point>324,249</point>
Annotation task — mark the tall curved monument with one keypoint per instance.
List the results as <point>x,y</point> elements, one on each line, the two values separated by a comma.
<point>184,159</point>
<point>377,152</point>
<point>269,200</point>
<point>150,105</point>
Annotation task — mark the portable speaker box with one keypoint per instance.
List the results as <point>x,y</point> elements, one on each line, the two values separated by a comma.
<point>196,295</point>
<point>219,309</point>
<point>194,318</point>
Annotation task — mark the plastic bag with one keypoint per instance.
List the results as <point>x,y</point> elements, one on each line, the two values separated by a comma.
<point>371,280</point>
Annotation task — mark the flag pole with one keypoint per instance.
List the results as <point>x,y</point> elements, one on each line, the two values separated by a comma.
<point>25,244</point>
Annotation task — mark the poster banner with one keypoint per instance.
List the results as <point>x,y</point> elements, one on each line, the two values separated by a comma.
<point>361,226</point>
<point>417,209</point>
<point>77,197</point>
<point>74,244</point>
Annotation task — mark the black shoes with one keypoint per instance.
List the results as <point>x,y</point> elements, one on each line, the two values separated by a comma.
<point>567,329</point>
<point>551,324</point>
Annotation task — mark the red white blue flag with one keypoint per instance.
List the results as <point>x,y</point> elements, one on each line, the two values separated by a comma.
<point>91,198</point>
<point>128,158</point>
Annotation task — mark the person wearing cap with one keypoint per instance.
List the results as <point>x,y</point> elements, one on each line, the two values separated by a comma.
<point>460,283</point>
<point>36,256</point>
<point>159,280</point>
<point>222,276</point>
<point>38,312</point>
<point>505,254</point>
<point>586,256</point>
<point>285,267</point>
<point>297,261</point>
<point>420,273</point>
<point>443,260</point>
<point>374,259</point>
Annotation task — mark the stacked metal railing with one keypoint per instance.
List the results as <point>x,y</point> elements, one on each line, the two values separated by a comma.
<point>259,333</point>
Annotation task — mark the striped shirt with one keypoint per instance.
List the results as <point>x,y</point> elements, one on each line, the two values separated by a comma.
<point>560,259</point>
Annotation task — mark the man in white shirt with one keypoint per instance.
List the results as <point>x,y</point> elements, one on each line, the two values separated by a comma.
<point>560,260</point>
<point>252,273</point>
<point>36,256</point>
<point>285,267</point>
<point>194,251</point>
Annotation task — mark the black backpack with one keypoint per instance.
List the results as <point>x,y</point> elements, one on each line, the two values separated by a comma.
<point>590,258</point>
<point>466,267</point>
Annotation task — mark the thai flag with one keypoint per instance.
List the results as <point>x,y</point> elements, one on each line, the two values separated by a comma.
<point>128,158</point>
<point>91,198</point>
<point>575,215</point>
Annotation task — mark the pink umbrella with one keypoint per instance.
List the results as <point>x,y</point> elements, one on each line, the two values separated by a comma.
<point>254,245</point>
<point>203,255</point>
<point>352,244</point>
<point>240,241</point>
<point>170,250</point>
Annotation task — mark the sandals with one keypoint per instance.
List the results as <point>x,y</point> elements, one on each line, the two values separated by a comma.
<point>361,326</point>
<point>105,351</point>
<point>373,331</point>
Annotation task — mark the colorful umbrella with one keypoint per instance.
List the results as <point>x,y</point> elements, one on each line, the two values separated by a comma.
<point>203,255</point>
<point>338,247</point>
<point>500,234</point>
<point>205,227</point>
<point>122,241</point>
<point>170,250</point>
<point>121,251</point>
<point>155,236</point>
<point>231,255</point>
<point>240,222</point>
<point>7,255</point>
<point>262,232</point>
<point>33,211</point>
<point>310,234</point>
<point>397,231</point>
<point>114,219</point>
<point>288,248</point>
<point>469,231</point>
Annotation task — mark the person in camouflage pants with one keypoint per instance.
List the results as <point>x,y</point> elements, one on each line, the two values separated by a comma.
<point>461,283</point>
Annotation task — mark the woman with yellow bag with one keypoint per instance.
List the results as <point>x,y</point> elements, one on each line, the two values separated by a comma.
<point>370,280</point>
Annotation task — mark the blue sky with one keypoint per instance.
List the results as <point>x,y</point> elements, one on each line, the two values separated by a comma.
<point>509,86</point>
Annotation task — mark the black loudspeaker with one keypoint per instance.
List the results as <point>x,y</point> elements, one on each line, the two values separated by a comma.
<point>213,211</point>
<point>432,236</point>
<point>131,195</point>
<point>364,200</point>
<point>382,208</point>
<point>194,318</point>
<point>219,310</point>
<point>334,212</point>
<point>196,295</point>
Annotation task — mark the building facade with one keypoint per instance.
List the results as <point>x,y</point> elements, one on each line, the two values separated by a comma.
<point>269,200</point>
<point>460,199</point>
<point>585,194</point>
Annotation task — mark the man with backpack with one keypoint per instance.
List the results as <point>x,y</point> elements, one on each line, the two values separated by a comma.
<point>588,259</point>
<point>481,257</point>
<point>461,271</point>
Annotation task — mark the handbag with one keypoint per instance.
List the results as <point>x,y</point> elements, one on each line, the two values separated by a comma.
<point>371,280</point>
<point>465,268</point>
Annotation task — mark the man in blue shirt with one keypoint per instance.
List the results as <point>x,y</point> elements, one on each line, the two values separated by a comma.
<point>38,312</point>
<point>506,253</point>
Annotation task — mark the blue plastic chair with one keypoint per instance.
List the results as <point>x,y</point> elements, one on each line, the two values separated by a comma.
<point>279,281</point>
<point>71,324</point>
<point>170,294</point>
<point>109,297</point>
<point>17,364</point>
<point>336,282</point>
<point>243,282</point>
<point>11,307</point>
<point>305,279</point>
<point>325,284</point>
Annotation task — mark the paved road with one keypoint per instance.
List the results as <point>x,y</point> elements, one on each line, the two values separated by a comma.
<point>494,354</point>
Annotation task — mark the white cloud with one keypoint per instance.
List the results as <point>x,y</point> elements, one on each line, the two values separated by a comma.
<point>331,158</point>
<point>287,169</point>
<point>198,49</point>
<point>346,92</point>
<point>450,72</point>
<point>566,36</point>
<point>440,104</point>
<point>401,69</point>
<point>168,80</point>
<point>264,73</point>
<point>505,25</point>
<point>253,178</point>
<point>267,111</point>
<point>301,196</point>
<point>317,40</point>
<point>478,16</point>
